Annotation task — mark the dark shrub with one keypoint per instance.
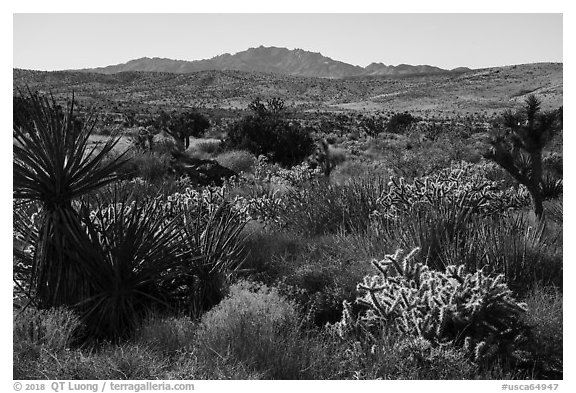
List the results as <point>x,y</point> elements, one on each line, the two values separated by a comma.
<point>399,122</point>
<point>267,133</point>
<point>182,126</point>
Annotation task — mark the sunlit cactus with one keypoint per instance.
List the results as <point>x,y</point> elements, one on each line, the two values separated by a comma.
<point>471,310</point>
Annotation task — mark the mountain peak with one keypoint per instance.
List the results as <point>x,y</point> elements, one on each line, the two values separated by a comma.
<point>271,59</point>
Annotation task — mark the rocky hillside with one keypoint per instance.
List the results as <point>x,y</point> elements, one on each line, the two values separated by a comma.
<point>295,62</point>
<point>491,89</point>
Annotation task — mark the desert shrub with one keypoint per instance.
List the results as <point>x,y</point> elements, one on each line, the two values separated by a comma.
<point>474,311</point>
<point>38,334</point>
<point>321,207</point>
<point>397,357</point>
<point>149,165</point>
<point>238,160</point>
<point>252,325</point>
<point>52,329</point>
<point>544,314</point>
<point>123,362</point>
<point>353,169</point>
<point>399,122</point>
<point>327,158</point>
<point>265,247</point>
<point>553,163</point>
<point>142,138</point>
<point>526,254</point>
<point>167,335</point>
<point>182,126</point>
<point>208,146</point>
<point>165,146</point>
<point>258,328</point>
<point>266,133</point>
<point>317,273</point>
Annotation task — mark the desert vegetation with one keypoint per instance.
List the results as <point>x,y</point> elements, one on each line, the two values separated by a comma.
<point>280,242</point>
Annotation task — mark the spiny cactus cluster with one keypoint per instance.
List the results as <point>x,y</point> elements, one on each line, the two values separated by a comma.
<point>463,185</point>
<point>471,310</point>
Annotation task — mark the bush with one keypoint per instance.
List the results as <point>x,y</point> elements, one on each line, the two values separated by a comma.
<point>267,133</point>
<point>208,146</point>
<point>124,362</point>
<point>322,208</point>
<point>259,329</point>
<point>407,359</point>
<point>553,163</point>
<point>526,254</point>
<point>52,329</point>
<point>544,314</point>
<point>399,122</point>
<point>182,126</point>
<point>38,334</point>
<point>238,160</point>
<point>149,165</point>
<point>251,326</point>
<point>169,336</point>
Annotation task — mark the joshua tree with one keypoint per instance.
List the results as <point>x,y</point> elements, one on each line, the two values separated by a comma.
<point>518,147</point>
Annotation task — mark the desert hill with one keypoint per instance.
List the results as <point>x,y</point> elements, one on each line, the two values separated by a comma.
<point>490,89</point>
<point>296,62</point>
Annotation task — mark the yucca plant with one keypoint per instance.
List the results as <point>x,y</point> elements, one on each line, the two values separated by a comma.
<point>216,237</point>
<point>53,165</point>
<point>132,254</point>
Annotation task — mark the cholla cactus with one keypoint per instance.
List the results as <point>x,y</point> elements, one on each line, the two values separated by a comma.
<point>442,307</point>
<point>464,185</point>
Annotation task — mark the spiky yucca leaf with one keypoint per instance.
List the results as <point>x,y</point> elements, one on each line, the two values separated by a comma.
<point>216,236</point>
<point>52,161</point>
<point>133,249</point>
<point>53,165</point>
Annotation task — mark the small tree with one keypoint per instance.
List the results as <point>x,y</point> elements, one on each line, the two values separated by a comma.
<point>518,146</point>
<point>183,126</point>
<point>372,126</point>
<point>399,122</point>
<point>267,132</point>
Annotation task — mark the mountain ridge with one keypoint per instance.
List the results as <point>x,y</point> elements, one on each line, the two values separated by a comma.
<point>277,60</point>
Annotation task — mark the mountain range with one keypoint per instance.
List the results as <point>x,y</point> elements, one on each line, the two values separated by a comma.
<point>296,62</point>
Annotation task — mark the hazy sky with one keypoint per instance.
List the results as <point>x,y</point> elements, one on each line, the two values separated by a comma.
<point>70,41</point>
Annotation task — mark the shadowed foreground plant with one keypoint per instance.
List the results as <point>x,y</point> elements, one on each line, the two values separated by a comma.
<point>216,237</point>
<point>133,253</point>
<point>53,165</point>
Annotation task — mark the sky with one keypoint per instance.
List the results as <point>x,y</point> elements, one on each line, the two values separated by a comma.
<point>71,41</point>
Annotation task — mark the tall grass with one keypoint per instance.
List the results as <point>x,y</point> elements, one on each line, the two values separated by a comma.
<point>322,208</point>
